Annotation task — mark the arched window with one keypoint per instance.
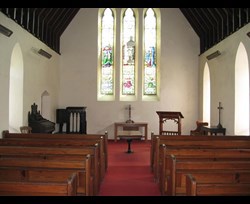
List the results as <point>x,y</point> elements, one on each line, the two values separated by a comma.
<point>128,52</point>
<point>106,79</point>
<point>150,63</point>
<point>135,67</point>
<point>151,54</point>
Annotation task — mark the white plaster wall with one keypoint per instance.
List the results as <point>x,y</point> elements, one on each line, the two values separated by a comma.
<point>222,72</point>
<point>40,73</point>
<point>179,74</point>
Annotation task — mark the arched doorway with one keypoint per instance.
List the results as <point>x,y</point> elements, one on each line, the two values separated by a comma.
<point>206,94</point>
<point>241,124</point>
<point>45,105</point>
<point>16,90</point>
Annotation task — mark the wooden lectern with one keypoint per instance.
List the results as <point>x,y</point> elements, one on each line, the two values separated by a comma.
<point>169,115</point>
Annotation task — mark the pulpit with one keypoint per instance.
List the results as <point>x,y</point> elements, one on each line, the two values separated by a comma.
<point>169,115</point>
<point>39,124</point>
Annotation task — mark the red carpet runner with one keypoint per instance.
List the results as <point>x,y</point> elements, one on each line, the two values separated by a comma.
<point>129,174</point>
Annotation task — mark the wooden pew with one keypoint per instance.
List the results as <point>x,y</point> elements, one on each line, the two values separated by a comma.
<point>59,143</point>
<point>156,140</point>
<point>198,142</point>
<point>193,155</point>
<point>180,168</point>
<point>98,137</point>
<point>62,154</point>
<point>219,188</point>
<point>71,141</point>
<point>56,168</point>
<point>39,188</point>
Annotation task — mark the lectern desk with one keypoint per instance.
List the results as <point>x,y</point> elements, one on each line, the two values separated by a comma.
<point>169,115</point>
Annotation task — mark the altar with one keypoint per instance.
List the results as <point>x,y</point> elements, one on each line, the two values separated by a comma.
<point>130,130</point>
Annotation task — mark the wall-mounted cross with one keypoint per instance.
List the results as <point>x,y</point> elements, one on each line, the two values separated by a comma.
<point>219,108</point>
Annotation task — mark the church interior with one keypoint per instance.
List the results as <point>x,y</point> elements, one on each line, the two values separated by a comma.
<point>52,65</point>
<point>70,77</point>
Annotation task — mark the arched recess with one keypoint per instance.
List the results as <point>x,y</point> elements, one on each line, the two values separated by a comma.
<point>16,90</point>
<point>45,105</point>
<point>206,94</point>
<point>241,124</point>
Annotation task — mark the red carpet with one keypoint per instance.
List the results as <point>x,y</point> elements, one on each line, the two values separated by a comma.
<point>129,174</point>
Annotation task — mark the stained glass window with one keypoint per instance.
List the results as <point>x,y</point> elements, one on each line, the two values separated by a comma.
<point>128,53</point>
<point>150,63</point>
<point>107,46</point>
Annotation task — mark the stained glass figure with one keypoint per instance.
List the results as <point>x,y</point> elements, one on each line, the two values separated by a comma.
<point>150,65</point>
<point>128,53</point>
<point>107,82</point>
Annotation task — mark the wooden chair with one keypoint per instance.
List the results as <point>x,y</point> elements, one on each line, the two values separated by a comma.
<point>25,129</point>
<point>198,131</point>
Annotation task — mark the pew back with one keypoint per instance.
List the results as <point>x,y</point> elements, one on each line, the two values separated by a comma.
<point>180,168</point>
<point>211,142</point>
<point>59,154</point>
<point>40,188</point>
<point>46,142</point>
<point>221,188</point>
<point>97,161</point>
<point>102,137</point>
<point>82,168</point>
<point>195,155</point>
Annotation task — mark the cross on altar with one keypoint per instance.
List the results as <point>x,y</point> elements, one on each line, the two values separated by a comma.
<point>219,108</point>
<point>129,114</point>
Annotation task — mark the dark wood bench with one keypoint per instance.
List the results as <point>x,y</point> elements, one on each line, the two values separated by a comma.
<point>53,153</point>
<point>103,138</point>
<point>81,168</point>
<point>39,188</point>
<point>59,143</point>
<point>180,168</point>
<point>217,188</point>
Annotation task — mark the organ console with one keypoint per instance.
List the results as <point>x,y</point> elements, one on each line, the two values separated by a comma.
<point>75,119</point>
